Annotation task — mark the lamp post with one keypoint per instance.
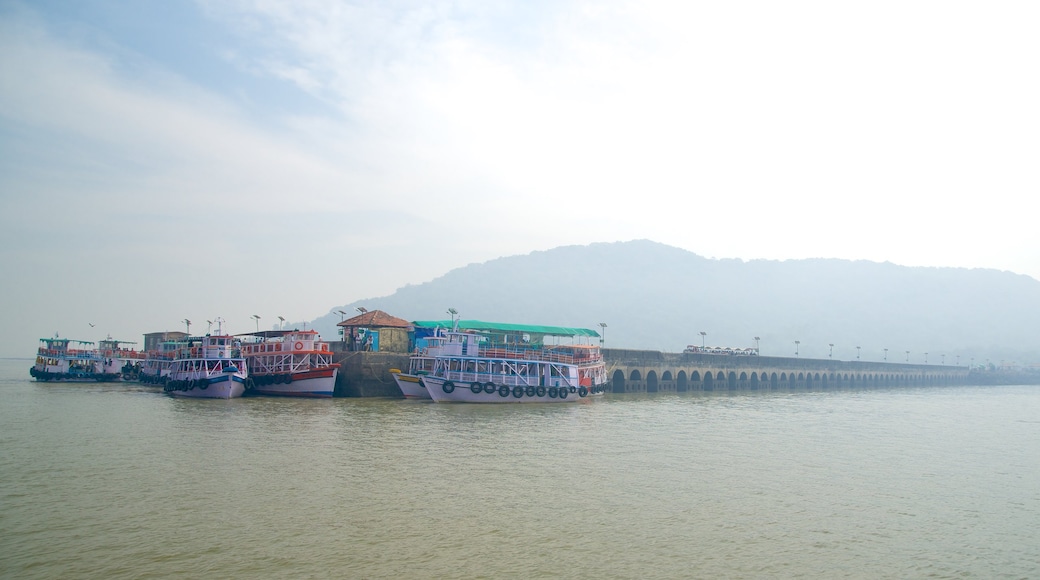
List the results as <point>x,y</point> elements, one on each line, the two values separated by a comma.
<point>257,318</point>
<point>209,326</point>
<point>797,343</point>
<point>602,333</point>
<point>857,353</point>
<point>703,334</point>
<point>341,315</point>
<point>361,309</point>
<point>907,356</point>
<point>925,358</point>
<point>886,354</point>
<point>187,324</point>
<point>942,359</point>
<point>757,352</point>
<point>281,320</point>
<point>830,353</point>
<point>453,314</point>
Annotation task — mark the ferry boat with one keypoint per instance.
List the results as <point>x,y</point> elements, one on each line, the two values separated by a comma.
<point>209,367</point>
<point>67,360</point>
<point>510,363</point>
<point>290,363</point>
<point>421,363</point>
<point>155,368</point>
<point>117,359</point>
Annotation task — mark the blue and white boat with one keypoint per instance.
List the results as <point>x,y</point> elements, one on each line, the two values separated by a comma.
<point>511,363</point>
<point>210,367</point>
<point>67,360</point>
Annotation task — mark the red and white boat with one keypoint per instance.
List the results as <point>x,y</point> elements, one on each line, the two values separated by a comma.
<point>290,363</point>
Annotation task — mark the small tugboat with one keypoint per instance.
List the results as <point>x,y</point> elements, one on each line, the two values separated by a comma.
<point>509,363</point>
<point>56,361</point>
<point>209,367</point>
<point>290,363</point>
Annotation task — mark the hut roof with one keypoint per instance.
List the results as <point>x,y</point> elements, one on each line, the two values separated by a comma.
<point>375,319</point>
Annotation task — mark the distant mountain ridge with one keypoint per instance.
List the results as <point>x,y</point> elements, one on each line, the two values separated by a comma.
<point>654,296</point>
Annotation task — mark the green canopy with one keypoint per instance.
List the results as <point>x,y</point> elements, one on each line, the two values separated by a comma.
<point>508,328</point>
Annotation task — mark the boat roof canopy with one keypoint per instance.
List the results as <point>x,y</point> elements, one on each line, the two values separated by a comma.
<point>480,325</point>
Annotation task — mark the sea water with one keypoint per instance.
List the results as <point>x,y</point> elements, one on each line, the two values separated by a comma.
<point>120,481</point>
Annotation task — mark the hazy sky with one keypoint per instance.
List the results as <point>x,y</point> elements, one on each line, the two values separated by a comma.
<point>163,160</point>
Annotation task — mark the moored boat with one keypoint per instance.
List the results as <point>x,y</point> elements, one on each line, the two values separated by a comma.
<point>208,367</point>
<point>118,359</point>
<point>67,360</point>
<point>510,363</point>
<point>155,368</point>
<point>290,363</point>
<point>421,363</point>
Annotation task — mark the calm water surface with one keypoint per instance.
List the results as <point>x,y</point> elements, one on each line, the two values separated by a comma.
<point>120,481</point>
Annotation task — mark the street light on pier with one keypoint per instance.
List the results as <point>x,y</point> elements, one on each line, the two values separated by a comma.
<point>187,325</point>
<point>257,317</point>
<point>942,359</point>
<point>361,309</point>
<point>209,326</point>
<point>907,356</point>
<point>341,315</point>
<point>453,314</point>
<point>703,334</point>
<point>796,344</point>
<point>886,354</point>
<point>756,345</point>
<point>925,358</point>
<point>830,353</point>
<point>281,320</point>
<point>857,353</point>
<point>602,333</point>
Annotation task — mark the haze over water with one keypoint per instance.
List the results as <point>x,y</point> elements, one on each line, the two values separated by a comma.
<point>120,481</point>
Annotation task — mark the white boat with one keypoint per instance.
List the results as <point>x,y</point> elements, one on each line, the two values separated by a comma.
<point>67,360</point>
<point>421,363</point>
<point>290,363</point>
<point>155,368</point>
<point>208,367</point>
<point>118,359</point>
<point>411,385</point>
<point>508,363</point>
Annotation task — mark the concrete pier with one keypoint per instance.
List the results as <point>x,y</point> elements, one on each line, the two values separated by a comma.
<point>367,374</point>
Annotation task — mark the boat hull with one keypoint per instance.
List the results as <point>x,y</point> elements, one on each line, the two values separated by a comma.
<point>443,391</point>
<point>318,383</point>
<point>411,386</point>
<point>60,377</point>
<point>226,386</point>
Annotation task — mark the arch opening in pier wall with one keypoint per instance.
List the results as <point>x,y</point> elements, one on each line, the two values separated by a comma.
<point>617,382</point>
